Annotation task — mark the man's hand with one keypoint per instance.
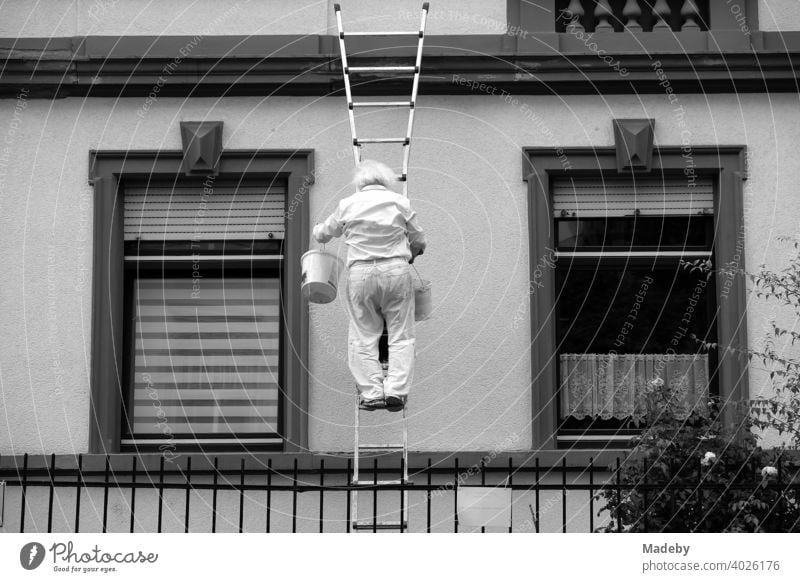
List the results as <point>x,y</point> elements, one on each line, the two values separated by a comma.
<point>415,252</point>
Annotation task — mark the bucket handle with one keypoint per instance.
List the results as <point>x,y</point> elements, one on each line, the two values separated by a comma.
<point>421,280</point>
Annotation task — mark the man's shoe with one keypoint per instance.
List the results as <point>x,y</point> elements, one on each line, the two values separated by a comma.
<point>395,403</point>
<point>371,404</point>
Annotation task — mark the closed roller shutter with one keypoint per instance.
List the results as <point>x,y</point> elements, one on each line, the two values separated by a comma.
<point>615,197</point>
<point>195,213</point>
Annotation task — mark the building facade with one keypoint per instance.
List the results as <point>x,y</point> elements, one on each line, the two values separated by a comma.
<point>545,134</point>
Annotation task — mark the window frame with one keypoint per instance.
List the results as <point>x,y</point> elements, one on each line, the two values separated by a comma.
<point>726,164</point>
<point>108,169</point>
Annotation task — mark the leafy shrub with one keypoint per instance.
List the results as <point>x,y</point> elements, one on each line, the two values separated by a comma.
<point>690,475</point>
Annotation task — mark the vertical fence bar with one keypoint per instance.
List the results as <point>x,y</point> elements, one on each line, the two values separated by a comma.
<point>619,495</point>
<point>188,484</point>
<point>644,495</point>
<point>2,498</point>
<point>483,484</point>
<point>591,494</point>
<point>509,483</point>
<point>428,495</point>
<point>2,503</point>
<point>564,494</point>
<point>214,496</point>
<point>52,475</point>
<point>455,495</point>
<point>402,495</point>
<point>698,488</point>
<point>160,493</point>
<point>536,493</point>
<point>24,492</point>
<point>375,495</point>
<point>349,494</point>
<point>241,495</point>
<point>133,493</point>
<point>294,497</point>
<point>269,493</point>
<point>78,494</point>
<point>106,477</point>
<point>321,493</point>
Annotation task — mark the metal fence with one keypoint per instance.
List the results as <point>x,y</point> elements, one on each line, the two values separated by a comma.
<point>297,493</point>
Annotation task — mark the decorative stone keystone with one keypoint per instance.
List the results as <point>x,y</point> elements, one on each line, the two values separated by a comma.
<point>633,139</point>
<point>202,146</point>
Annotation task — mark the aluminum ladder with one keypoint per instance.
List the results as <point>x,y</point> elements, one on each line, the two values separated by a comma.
<point>405,141</point>
<point>374,484</point>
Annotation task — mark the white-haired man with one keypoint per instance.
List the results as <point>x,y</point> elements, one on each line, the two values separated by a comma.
<point>383,237</point>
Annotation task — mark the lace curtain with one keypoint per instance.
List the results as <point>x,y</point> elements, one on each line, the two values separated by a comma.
<point>614,385</point>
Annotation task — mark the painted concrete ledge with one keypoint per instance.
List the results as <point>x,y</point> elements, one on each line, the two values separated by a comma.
<point>720,61</point>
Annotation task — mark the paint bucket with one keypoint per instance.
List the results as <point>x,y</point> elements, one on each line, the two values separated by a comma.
<point>423,298</point>
<point>320,276</point>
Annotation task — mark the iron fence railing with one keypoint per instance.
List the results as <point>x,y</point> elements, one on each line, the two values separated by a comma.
<point>306,493</point>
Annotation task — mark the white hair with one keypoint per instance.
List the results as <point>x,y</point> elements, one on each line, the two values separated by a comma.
<point>369,172</point>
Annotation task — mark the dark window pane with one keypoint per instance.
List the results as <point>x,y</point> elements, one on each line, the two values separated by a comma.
<point>648,233</point>
<point>633,309</point>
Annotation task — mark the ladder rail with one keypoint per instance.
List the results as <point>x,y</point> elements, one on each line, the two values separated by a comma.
<point>414,93</point>
<point>347,91</point>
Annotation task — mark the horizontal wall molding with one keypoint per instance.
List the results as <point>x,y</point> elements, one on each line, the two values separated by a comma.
<point>541,63</point>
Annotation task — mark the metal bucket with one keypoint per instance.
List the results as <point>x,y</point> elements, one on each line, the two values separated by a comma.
<point>320,276</point>
<point>423,299</point>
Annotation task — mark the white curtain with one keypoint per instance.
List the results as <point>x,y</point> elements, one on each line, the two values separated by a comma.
<point>614,385</point>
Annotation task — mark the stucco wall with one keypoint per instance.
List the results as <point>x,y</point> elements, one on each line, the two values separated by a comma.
<point>778,15</point>
<point>472,387</point>
<point>242,17</point>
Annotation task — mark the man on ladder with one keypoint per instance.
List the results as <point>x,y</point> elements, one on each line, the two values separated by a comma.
<point>383,236</point>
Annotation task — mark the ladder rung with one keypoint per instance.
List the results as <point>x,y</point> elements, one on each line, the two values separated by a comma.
<point>399,69</point>
<point>382,447</point>
<point>403,140</point>
<point>369,524</point>
<point>381,104</point>
<point>418,33</point>
<point>382,482</point>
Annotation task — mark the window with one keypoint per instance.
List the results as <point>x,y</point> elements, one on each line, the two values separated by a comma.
<point>583,265</point>
<point>199,334</point>
<point>628,311</point>
<point>202,344</point>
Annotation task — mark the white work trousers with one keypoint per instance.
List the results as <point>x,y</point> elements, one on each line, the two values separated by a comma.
<point>377,290</point>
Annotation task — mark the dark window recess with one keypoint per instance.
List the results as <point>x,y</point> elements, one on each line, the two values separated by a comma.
<point>643,233</point>
<point>204,247</point>
<point>618,20</point>
<point>665,306</point>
